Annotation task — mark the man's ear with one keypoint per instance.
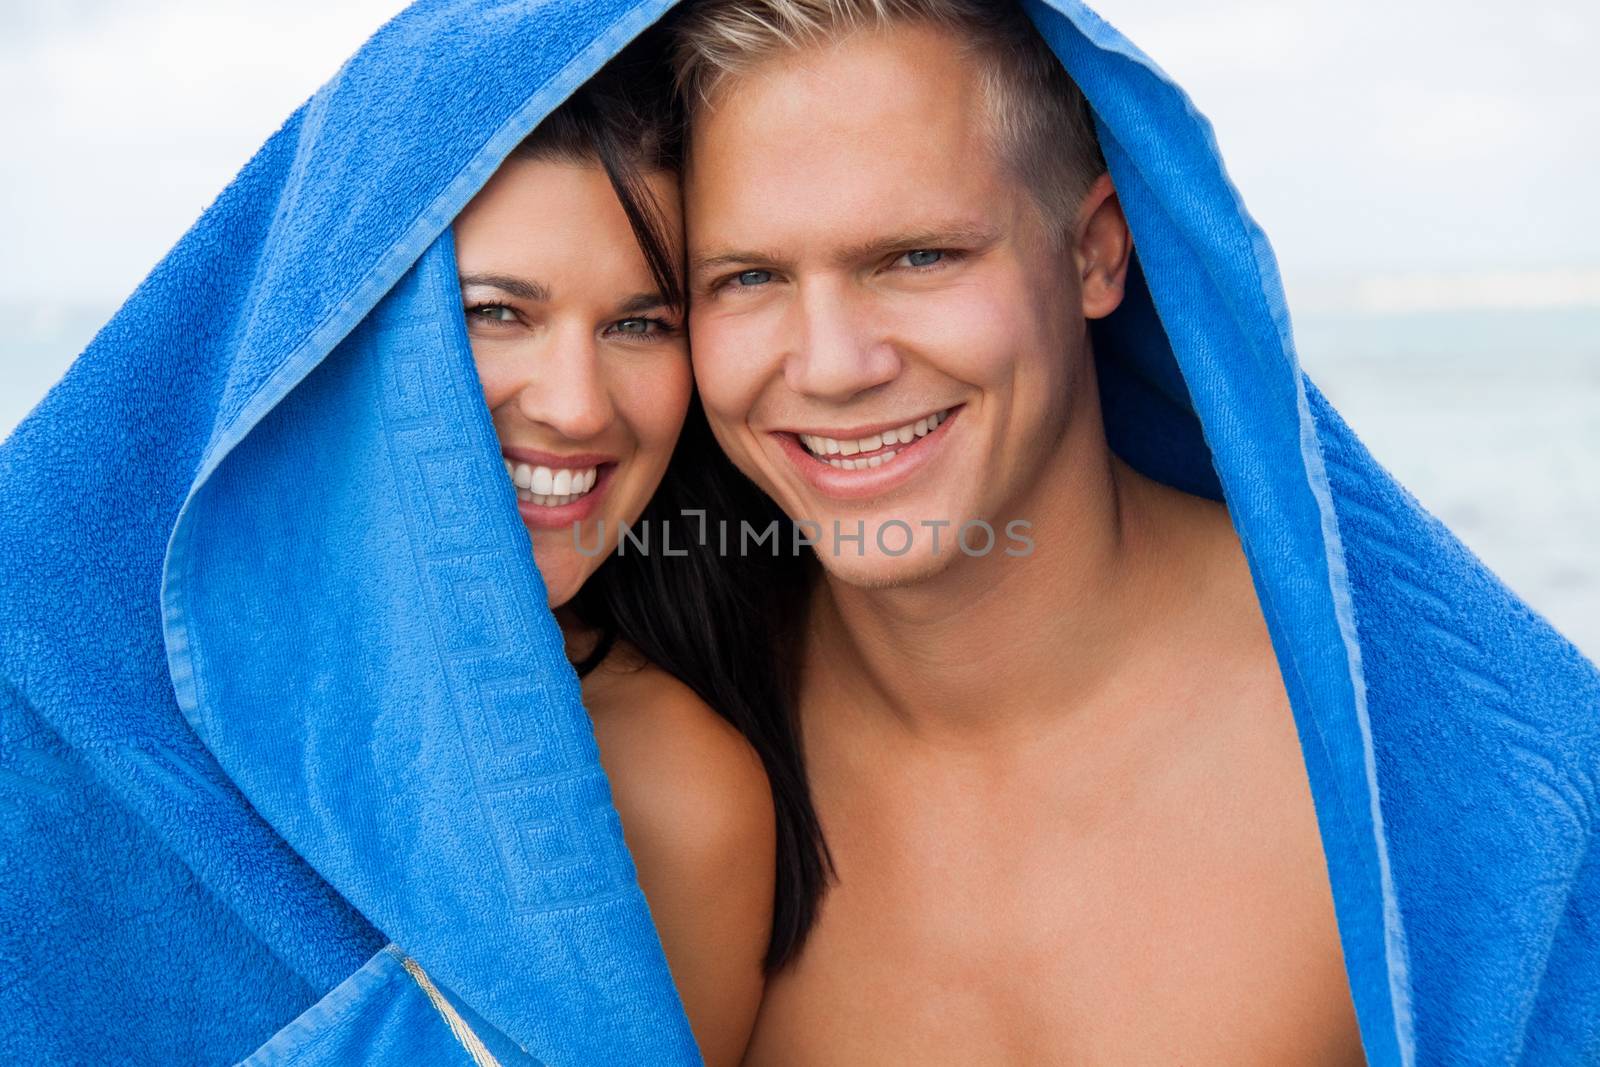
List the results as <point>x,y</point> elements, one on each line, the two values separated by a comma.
<point>1102,249</point>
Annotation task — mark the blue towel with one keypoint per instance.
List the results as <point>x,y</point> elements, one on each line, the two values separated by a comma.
<point>293,767</point>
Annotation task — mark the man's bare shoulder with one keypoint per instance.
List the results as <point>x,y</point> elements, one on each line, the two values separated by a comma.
<point>1215,604</point>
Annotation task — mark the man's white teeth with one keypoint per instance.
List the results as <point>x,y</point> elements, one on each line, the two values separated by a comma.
<point>826,447</point>
<point>550,488</point>
<point>860,464</point>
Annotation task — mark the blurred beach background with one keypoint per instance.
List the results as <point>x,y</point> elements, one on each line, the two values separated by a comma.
<point>1425,170</point>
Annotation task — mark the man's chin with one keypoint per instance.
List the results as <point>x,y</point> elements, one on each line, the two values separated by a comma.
<point>877,570</point>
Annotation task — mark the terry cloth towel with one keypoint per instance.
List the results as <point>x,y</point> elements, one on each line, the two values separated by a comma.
<point>294,768</point>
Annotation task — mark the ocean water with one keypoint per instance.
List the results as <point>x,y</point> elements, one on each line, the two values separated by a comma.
<point>1490,418</point>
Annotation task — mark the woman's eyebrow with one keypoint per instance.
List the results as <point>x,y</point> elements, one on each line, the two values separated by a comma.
<point>641,302</point>
<point>521,288</point>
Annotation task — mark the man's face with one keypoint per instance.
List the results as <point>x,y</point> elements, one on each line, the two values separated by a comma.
<point>861,261</point>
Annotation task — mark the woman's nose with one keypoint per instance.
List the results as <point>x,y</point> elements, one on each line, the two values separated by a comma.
<point>566,388</point>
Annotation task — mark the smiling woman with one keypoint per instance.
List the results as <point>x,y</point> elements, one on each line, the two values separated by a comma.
<point>569,261</point>
<point>575,313</point>
<point>568,267</point>
<point>625,806</point>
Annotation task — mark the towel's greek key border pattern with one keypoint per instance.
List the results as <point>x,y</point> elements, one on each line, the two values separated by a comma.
<point>525,753</point>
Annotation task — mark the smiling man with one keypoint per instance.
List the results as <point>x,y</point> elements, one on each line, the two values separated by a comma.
<point>1042,773</point>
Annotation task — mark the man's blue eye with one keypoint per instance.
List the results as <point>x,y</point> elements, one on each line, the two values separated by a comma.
<point>634,326</point>
<point>755,277</point>
<point>924,257</point>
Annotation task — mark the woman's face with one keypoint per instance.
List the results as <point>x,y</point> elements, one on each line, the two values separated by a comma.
<point>585,369</point>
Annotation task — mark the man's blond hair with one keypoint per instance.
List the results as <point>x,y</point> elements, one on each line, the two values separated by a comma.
<point>1039,122</point>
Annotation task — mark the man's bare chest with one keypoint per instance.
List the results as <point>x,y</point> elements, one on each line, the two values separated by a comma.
<point>1177,914</point>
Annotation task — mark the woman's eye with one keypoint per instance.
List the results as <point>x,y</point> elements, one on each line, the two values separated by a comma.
<point>644,328</point>
<point>492,313</point>
<point>923,257</point>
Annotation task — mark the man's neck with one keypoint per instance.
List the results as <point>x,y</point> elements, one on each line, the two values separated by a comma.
<point>995,645</point>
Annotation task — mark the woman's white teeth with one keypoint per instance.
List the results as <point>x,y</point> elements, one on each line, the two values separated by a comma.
<point>828,447</point>
<point>550,488</point>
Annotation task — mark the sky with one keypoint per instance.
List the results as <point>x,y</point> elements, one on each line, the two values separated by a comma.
<point>1402,155</point>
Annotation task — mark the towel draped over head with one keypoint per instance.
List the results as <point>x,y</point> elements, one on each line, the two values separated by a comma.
<point>294,765</point>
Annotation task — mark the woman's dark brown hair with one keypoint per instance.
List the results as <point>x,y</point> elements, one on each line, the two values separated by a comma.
<point>724,624</point>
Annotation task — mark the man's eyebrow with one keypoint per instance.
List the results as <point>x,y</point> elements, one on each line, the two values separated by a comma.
<point>954,236</point>
<point>958,235</point>
<point>521,288</point>
<point>701,264</point>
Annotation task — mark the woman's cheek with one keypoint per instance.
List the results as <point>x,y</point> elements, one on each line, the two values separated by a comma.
<point>656,399</point>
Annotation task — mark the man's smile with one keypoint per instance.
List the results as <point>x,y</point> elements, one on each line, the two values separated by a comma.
<point>873,447</point>
<point>860,463</point>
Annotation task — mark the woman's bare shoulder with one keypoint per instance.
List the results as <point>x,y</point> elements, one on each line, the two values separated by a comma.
<point>671,749</point>
<point>698,818</point>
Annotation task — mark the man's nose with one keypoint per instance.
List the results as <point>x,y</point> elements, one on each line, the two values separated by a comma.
<point>837,352</point>
<point>565,387</point>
